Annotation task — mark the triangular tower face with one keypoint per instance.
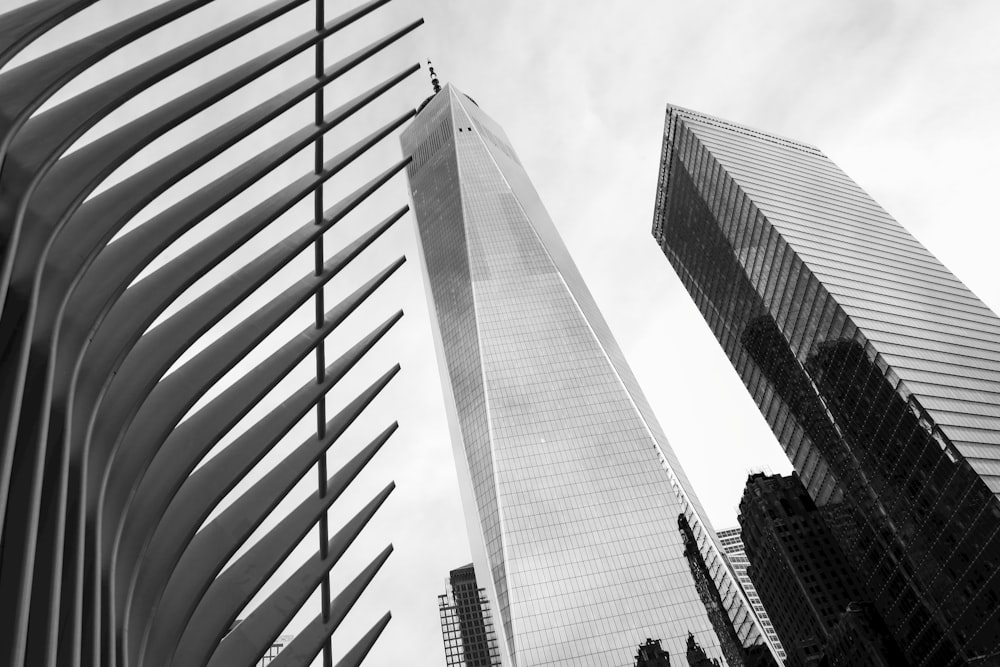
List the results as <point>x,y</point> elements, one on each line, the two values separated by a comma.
<point>571,491</point>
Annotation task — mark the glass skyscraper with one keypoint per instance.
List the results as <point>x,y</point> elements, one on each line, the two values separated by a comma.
<point>877,369</point>
<point>571,515</point>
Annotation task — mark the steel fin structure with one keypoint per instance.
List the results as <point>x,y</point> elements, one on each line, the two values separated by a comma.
<point>144,326</point>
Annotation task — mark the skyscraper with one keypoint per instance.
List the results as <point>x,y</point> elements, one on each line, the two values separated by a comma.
<point>570,512</point>
<point>466,623</point>
<point>736,556</point>
<point>796,565</point>
<point>877,369</point>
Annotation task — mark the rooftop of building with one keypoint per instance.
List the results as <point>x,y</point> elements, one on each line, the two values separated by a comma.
<point>690,114</point>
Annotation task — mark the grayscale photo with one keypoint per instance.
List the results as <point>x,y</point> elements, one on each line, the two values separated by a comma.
<point>527,333</point>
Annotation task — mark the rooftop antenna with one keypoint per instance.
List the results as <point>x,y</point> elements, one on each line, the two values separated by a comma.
<point>435,83</point>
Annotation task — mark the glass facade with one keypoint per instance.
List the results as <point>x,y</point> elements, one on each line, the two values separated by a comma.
<point>571,490</point>
<point>732,647</point>
<point>736,556</point>
<point>877,369</point>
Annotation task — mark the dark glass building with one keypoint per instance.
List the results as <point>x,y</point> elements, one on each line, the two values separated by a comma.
<point>877,369</point>
<point>799,570</point>
<point>860,639</point>
<point>466,622</point>
<point>570,489</point>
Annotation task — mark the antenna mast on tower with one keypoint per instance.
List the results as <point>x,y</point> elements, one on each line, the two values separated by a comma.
<point>435,83</point>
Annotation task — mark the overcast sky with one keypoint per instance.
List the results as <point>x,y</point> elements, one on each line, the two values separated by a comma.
<point>903,96</point>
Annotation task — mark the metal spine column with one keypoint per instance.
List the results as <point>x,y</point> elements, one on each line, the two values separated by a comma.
<point>324,528</point>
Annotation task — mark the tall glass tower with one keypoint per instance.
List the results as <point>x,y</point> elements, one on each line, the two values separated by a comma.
<point>571,491</point>
<point>878,370</point>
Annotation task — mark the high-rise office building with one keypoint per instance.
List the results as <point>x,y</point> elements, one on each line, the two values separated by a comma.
<point>796,564</point>
<point>877,369</point>
<point>571,515</point>
<point>736,556</point>
<point>466,623</point>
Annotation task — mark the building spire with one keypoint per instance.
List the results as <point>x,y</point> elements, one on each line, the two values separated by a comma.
<point>435,83</point>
